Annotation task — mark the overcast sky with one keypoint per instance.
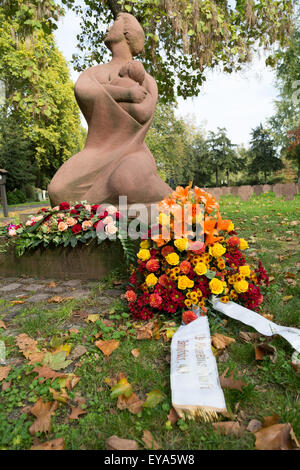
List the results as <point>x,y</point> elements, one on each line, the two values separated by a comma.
<point>237,101</point>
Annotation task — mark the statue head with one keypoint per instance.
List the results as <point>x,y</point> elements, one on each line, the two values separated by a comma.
<point>126,26</point>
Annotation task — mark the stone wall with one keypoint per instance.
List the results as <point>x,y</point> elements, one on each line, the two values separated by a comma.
<point>287,190</point>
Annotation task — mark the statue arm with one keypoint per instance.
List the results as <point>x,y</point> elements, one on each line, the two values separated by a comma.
<point>141,112</point>
<point>118,93</point>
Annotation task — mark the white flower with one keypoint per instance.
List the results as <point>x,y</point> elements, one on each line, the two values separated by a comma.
<point>112,210</point>
<point>39,218</point>
<point>108,220</point>
<point>12,232</point>
<point>56,208</point>
<point>28,223</point>
<point>88,207</point>
<point>111,229</point>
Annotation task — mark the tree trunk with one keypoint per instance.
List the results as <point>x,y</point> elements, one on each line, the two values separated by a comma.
<point>114,7</point>
<point>265,177</point>
<point>217,176</point>
<point>227,177</point>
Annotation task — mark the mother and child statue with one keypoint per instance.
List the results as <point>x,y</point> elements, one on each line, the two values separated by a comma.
<point>118,101</point>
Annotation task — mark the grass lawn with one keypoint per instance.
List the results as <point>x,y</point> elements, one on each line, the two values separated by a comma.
<point>269,225</point>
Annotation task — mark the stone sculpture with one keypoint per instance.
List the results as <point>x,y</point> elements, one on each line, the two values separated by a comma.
<point>118,101</point>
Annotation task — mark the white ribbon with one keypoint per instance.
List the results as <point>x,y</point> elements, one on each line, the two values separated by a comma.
<point>195,384</point>
<point>260,323</point>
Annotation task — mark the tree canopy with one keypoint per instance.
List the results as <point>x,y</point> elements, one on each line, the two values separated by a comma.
<point>39,101</point>
<point>186,37</point>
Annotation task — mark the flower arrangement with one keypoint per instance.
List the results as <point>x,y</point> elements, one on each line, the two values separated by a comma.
<point>176,273</point>
<point>68,225</point>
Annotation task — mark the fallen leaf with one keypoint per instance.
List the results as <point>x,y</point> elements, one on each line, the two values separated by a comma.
<point>52,284</point>
<point>55,444</point>
<point>220,341</point>
<point>270,420</point>
<point>92,317</point>
<point>73,330</point>
<point>149,440</point>
<point>229,428</point>
<point>60,396</point>
<point>71,381</point>
<point>286,298</point>
<point>77,352</point>
<point>116,443</point>
<point>2,324</point>
<point>135,352</point>
<point>263,349</point>
<point>254,425</point>
<point>56,361</point>
<point>145,332</point>
<point>28,346</point>
<point>173,416</point>
<point>276,437</point>
<point>46,373</point>
<point>123,387</point>
<point>17,302</point>
<point>4,371</point>
<point>76,412</point>
<point>43,412</point>
<point>133,403</point>
<point>231,383</point>
<point>153,399</point>
<point>58,300</point>
<point>107,347</point>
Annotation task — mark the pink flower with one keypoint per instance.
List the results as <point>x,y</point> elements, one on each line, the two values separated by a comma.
<point>12,232</point>
<point>111,229</point>
<point>130,296</point>
<point>155,301</point>
<point>152,265</point>
<point>108,220</point>
<point>71,221</point>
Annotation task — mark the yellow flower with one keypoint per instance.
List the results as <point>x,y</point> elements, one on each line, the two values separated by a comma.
<point>244,270</point>
<point>233,295</point>
<point>163,219</point>
<point>194,296</point>
<point>241,286</point>
<point>145,244</point>
<point>230,227</point>
<point>217,250</point>
<point>188,302</point>
<point>200,269</point>
<point>181,244</point>
<point>243,244</point>
<point>216,286</point>
<point>151,280</point>
<point>172,258</point>
<point>224,299</point>
<point>144,254</point>
<point>184,282</point>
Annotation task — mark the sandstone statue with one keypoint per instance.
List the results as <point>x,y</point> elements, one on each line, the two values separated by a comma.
<point>118,101</point>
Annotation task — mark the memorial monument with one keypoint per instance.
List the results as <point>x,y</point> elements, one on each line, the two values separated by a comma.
<point>118,100</point>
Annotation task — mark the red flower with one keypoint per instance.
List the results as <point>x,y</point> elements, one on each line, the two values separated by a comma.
<point>98,226</point>
<point>102,215</point>
<point>185,267</point>
<point>188,317</point>
<point>76,228</point>
<point>118,216</point>
<point>166,250</point>
<point>234,241</point>
<point>152,265</point>
<point>64,206</point>
<point>73,211</point>
<point>95,207</point>
<point>78,206</point>
<point>155,300</point>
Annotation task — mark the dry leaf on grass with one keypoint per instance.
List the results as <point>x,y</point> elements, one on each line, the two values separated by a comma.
<point>52,284</point>
<point>229,428</point>
<point>60,396</point>
<point>107,347</point>
<point>263,349</point>
<point>17,302</point>
<point>93,317</point>
<point>77,352</point>
<point>46,373</point>
<point>4,371</point>
<point>276,437</point>
<point>55,444</point>
<point>220,341</point>
<point>2,324</point>
<point>173,416</point>
<point>28,347</point>
<point>43,412</point>
<point>135,352</point>
<point>145,332</point>
<point>133,403</point>
<point>77,410</point>
<point>270,420</point>
<point>116,443</point>
<point>231,383</point>
<point>249,336</point>
<point>149,441</point>
<point>6,385</point>
<point>58,300</point>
